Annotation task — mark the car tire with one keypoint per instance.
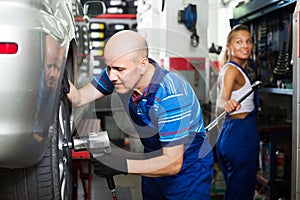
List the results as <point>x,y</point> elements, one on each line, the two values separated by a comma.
<point>51,178</point>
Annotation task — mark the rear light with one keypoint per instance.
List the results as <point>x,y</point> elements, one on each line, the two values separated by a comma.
<point>8,48</point>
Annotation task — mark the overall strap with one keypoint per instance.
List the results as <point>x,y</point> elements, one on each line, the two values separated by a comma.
<point>255,99</point>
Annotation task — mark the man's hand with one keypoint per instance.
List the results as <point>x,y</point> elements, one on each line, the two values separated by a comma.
<point>109,164</point>
<point>103,170</point>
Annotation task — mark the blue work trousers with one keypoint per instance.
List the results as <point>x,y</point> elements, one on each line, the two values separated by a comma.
<point>193,183</point>
<point>237,151</point>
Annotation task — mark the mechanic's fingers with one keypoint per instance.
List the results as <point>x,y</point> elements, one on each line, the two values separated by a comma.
<point>238,107</point>
<point>231,106</point>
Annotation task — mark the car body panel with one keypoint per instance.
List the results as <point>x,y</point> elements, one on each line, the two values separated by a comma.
<point>23,79</point>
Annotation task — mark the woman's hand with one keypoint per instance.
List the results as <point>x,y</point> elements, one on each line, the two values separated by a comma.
<point>231,106</point>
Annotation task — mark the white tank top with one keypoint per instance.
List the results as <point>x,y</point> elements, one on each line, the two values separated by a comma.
<point>248,104</point>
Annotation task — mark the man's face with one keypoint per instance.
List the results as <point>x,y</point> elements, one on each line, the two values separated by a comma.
<point>52,72</point>
<point>52,65</point>
<point>124,74</point>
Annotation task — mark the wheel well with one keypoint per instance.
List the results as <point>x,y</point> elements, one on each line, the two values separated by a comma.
<point>72,62</point>
<point>72,70</point>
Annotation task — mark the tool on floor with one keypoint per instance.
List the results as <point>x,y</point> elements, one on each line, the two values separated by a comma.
<point>256,85</point>
<point>99,144</point>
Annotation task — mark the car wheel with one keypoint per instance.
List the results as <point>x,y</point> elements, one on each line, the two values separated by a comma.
<point>62,151</point>
<point>51,178</point>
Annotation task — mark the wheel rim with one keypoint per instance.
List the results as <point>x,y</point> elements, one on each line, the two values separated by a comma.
<point>64,152</point>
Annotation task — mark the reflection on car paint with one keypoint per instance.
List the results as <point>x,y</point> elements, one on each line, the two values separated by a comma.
<point>49,91</point>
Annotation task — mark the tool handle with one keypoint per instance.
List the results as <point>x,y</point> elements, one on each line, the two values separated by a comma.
<point>110,183</point>
<point>112,187</point>
<point>254,86</point>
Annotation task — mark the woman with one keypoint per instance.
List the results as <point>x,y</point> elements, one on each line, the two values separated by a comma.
<point>238,144</point>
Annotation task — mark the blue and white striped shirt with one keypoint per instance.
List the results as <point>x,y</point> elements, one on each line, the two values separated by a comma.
<point>173,114</point>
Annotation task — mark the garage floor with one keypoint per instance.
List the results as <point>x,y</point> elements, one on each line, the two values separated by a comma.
<point>127,187</point>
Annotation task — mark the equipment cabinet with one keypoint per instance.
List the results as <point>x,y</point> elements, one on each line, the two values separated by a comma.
<point>272,139</point>
<point>275,129</point>
<point>270,23</point>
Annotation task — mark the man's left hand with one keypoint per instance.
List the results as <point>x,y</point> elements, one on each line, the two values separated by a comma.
<point>109,164</point>
<point>102,170</point>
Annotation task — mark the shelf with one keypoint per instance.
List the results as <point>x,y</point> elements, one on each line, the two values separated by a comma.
<point>283,129</point>
<point>256,9</point>
<point>277,91</point>
<point>275,135</point>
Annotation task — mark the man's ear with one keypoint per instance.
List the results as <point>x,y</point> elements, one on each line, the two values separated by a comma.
<point>143,65</point>
<point>142,68</point>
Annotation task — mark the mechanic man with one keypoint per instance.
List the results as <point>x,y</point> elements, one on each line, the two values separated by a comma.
<point>167,116</point>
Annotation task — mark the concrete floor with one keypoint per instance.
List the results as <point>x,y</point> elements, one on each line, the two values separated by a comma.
<point>127,186</point>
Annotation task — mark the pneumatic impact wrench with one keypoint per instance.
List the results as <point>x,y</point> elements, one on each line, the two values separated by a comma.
<point>99,141</point>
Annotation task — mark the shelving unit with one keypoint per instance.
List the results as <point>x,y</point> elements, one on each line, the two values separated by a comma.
<point>277,91</point>
<point>277,136</point>
<point>104,26</point>
<point>270,23</point>
<point>120,15</point>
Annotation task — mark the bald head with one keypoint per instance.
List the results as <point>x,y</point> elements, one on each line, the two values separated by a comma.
<point>53,62</point>
<point>51,47</point>
<point>125,43</point>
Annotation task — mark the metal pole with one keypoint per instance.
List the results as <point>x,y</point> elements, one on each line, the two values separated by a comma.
<point>254,86</point>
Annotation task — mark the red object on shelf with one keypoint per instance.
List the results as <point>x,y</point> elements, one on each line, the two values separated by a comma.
<point>109,16</point>
<point>116,16</point>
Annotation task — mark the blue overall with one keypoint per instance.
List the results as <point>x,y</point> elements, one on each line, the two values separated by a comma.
<point>237,151</point>
<point>194,179</point>
<point>152,121</point>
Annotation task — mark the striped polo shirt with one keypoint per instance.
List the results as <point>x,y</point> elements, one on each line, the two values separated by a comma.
<point>168,112</point>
